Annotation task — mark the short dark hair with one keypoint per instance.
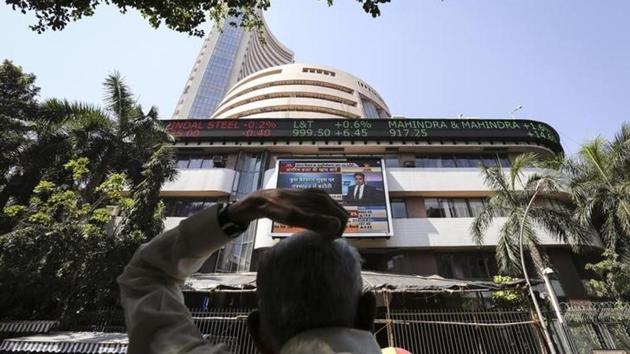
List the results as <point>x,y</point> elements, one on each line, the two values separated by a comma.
<point>359,174</point>
<point>307,282</point>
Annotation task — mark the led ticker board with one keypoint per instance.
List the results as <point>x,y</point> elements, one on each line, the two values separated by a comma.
<point>358,184</point>
<point>427,130</point>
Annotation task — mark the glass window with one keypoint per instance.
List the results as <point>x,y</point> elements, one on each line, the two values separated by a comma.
<point>429,161</point>
<point>467,161</point>
<point>369,109</point>
<point>399,208</point>
<point>435,208</point>
<point>474,162</point>
<point>185,207</point>
<point>489,160</point>
<point>207,163</point>
<point>195,162</point>
<point>421,161</point>
<point>468,265</point>
<point>448,161</point>
<point>462,160</point>
<point>505,161</point>
<point>454,207</point>
<point>476,206</point>
<point>391,161</point>
<point>182,161</point>
<point>458,208</point>
<point>247,180</point>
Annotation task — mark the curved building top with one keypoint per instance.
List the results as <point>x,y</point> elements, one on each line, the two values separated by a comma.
<point>302,91</point>
<point>228,55</point>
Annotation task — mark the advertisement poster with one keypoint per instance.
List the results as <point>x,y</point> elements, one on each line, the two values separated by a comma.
<point>358,184</point>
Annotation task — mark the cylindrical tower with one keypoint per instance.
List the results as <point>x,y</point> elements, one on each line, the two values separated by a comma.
<point>302,91</point>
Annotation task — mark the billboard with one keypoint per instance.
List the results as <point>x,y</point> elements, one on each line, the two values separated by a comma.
<point>359,184</point>
<point>416,130</point>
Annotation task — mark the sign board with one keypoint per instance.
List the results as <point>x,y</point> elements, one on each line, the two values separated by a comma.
<point>359,184</point>
<point>427,130</point>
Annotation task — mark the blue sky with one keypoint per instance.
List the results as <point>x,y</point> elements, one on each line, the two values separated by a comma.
<point>567,62</point>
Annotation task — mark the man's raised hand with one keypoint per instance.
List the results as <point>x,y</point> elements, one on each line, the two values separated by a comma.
<point>311,209</point>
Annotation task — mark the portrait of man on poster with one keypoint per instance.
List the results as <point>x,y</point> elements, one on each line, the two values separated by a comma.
<point>361,193</point>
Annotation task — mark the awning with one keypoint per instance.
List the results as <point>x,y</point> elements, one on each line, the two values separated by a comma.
<point>371,281</point>
<point>27,326</point>
<point>68,342</point>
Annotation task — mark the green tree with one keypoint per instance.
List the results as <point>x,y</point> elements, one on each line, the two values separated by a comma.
<point>76,164</point>
<point>73,248</point>
<point>181,15</point>
<point>508,299</point>
<point>613,277</point>
<point>54,260</point>
<point>513,190</point>
<point>18,104</point>
<point>118,137</point>
<point>600,189</point>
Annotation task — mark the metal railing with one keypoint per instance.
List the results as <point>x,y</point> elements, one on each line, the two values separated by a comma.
<point>482,331</point>
<point>227,326</point>
<point>460,331</point>
<point>595,326</point>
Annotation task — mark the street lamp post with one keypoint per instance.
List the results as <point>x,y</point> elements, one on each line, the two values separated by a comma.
<point>546,334</point>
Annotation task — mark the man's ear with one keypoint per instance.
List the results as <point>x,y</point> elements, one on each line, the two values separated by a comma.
<point>262,341</point>
<point>366,311</point>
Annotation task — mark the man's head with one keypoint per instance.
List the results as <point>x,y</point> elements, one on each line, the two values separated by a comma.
<point>359,178</point>
<point>307,282</point>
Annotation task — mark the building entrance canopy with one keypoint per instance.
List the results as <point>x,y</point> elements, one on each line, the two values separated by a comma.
<point>372,281</point>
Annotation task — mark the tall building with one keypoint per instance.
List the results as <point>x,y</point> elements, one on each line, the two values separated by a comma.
<point>228,54</point>
<point>301,126</point>
<point>270,121</point>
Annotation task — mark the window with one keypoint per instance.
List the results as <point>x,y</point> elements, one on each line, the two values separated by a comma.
<point>453,207</point>
<point>391,161</point>
<point>476,205</point>
<point>399,208</point>
<point>489,160</point>
<point>468,161</point>
<point>477,265</point>
<point>318,71</point>
<point>436,208</point>
<point>505,161</point>
<point>448,161</point>
<point>176,207</point>
<point>369,109</point>
<point>197,161</point>
<point>461,160</point>
<point>429,162</point>
<point>458,208</point>
<point>207,163</point>
<point>182,163</point>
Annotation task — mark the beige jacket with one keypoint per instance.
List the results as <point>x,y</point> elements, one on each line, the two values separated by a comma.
<point>159,322</point>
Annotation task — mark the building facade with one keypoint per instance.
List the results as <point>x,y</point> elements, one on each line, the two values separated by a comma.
<point>264,110</point>
<point>228,54</point>
<point>432,172</point>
